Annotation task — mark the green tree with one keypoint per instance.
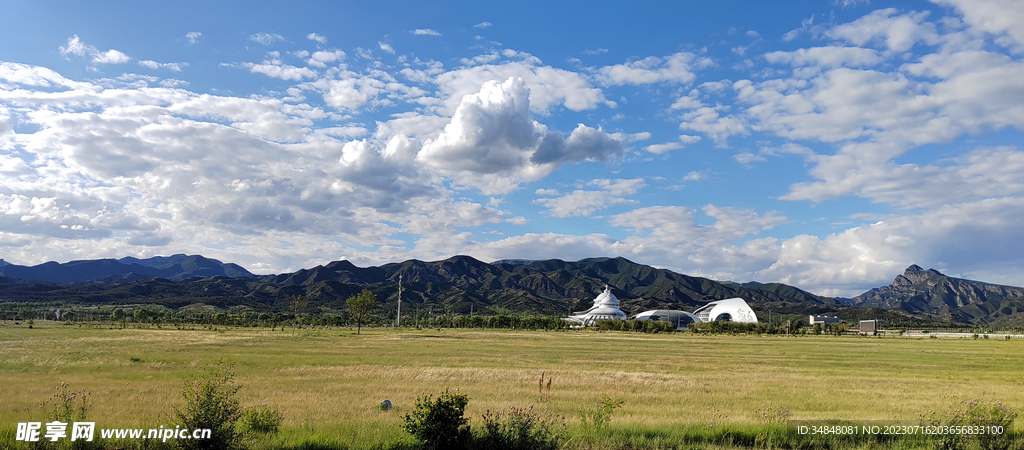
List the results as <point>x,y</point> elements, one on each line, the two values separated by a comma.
<point>299,305</point>
<point>360,305</point>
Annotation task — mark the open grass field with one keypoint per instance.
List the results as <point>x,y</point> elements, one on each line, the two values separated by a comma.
<point>328,382</point>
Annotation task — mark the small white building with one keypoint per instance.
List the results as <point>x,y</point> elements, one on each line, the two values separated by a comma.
<point>823,320</point>
<point>606,307</point>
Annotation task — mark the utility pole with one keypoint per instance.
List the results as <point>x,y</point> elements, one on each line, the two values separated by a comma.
<point>398,320</point>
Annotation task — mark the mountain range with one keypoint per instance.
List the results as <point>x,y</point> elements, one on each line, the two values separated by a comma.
<point>175,267</point>
<point>931,293</point>
<point>462,284</point>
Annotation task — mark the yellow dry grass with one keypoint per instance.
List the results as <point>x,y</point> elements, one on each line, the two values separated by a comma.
<point>327,378</point>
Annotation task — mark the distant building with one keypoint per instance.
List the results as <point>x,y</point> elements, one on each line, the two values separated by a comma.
<point>606,307</point>
<point>868,327</point>
<point>728,310</point>
<point>823,320</point>
<point>681,319</point>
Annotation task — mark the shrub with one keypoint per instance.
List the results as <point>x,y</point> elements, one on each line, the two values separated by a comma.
<point>520,429</point>
<point>439,423</point>
<point>988,417</point>
<point>210,402</point>
<point>262,419</point>
<point>598,418</point>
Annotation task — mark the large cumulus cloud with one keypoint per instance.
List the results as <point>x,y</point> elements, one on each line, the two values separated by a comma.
<point>493,144</point>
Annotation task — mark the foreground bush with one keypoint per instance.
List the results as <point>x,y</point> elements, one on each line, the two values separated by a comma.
<point>210,402</point>
<point>262,419</point>
<point>988,426</point>
<point>520,429</point>
<point>439,423</point>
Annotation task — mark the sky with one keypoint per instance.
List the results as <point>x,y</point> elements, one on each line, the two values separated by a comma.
<point>823,144</point>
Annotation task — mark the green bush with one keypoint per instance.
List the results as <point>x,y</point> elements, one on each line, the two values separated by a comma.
<point>211,403</point>
<point>986,417</point>
<point>439,423</point>
<point>520,429</point>
<point>262,419</point>
<point>598,418</point>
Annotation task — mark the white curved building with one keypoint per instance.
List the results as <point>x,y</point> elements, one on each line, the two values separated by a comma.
<point>606,306</point>
<point>728,310</point>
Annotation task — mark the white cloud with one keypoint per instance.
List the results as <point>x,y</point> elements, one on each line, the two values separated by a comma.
<point>1001,18</point>
<point>549,87</point>
<point>150,64</point>
<point>266,38</point>
<point>321,58</point>
<point>677,68</point>
<point>76,47</point>
<point>979,237</point>
<point>425,32</point>
<point>492,143</point>
<point>193,36</point>
<point>586,202</point>
<point>898,33</point>
<point>696,176</point>
<point>351,93</point>
<point>110,57</point>
<point>277,69</point>
<point>746,158</point>
<point>983,173</point>
<point>386,47</point>
<point>830,56</point>
<point>709,121</point>
<point>482,25</point>
<point>658,149</point>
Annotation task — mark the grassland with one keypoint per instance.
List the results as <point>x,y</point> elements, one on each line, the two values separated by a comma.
<point>328,382</point>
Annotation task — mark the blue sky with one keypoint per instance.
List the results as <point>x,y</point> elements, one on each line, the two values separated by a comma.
<point>828,145</point>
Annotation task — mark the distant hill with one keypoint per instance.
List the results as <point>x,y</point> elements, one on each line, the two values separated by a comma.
<point>931,293</point>
<point>462,284</point>
<point>176,267</point>
<point>459,284</point>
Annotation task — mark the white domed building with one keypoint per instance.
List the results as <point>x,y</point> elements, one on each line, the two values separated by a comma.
<point>728,310</point>
<point>606,306</point>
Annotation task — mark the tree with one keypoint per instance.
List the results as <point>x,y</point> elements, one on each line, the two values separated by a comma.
<point>360,305</point>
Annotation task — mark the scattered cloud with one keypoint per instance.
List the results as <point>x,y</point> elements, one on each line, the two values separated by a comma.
<point>266,38</point>
<point>386,48</point>
<point>676,68</point>
<point>425,32</point>
<point>317,38</point>
<point>77,48</point>
<point>193,36</point>
<point>174,67</point>
<point>585,202</point>
<point>482,25</point>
